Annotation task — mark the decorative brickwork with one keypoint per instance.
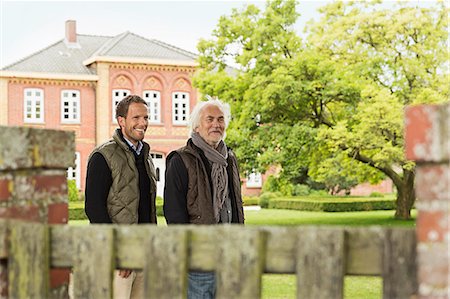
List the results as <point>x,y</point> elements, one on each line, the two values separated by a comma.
<point>428,143</point>
<point>33,185</point>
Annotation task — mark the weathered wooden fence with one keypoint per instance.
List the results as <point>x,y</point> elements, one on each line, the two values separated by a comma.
<point>319,256</point>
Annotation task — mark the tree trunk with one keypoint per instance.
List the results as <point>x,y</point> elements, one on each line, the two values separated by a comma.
<point>406,195</point>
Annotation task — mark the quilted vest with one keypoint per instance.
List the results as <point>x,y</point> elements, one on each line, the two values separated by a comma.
<point>123,197</point>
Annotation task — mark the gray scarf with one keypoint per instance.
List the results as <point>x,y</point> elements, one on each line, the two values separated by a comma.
<point>218,159</point>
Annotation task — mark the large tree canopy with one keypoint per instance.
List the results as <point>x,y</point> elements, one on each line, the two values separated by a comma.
<point>333,102</point>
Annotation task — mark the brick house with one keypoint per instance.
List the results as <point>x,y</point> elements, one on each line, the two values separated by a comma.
<point>75,83</point>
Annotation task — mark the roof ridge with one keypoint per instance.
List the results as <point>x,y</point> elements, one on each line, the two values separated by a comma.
<point>94,35</point>
<point>166,45</point>
<point>32,54</point>
<point>109,44</point>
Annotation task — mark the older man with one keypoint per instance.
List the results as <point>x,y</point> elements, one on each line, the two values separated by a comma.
<point>203,183</point>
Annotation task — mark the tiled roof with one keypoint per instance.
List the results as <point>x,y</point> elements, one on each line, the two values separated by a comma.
<point>68,59</point>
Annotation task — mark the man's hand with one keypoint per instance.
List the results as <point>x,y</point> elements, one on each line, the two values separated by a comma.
<point>125,273</point>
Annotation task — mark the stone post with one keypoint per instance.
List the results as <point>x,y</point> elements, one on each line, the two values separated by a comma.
<point>427,139</point>
<point>33,185</point>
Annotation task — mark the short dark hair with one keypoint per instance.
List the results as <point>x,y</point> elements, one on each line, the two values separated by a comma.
<point>122,106</point>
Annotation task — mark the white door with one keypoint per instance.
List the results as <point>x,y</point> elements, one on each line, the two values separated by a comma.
<point>160,168</point>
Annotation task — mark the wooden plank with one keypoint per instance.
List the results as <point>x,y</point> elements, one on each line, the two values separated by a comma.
<point>93,261</point>
<point>280,255</point>
<point>130,246</point>
<point>3,238</point>
<point>320,263</point>
<point>240,262</point>
<point>62,245</point>
<point>28,263</point>
<point>203,244</point>
<point>399,264</point>
<point>165,272</point>
<point>364,250</point>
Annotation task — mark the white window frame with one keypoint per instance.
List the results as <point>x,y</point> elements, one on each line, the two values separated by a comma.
<point>116,96</point>
<point>153,99</point>
<point>180,108</point>
<point>254,180</point>
<point>72,98</point>
<point>33,98</point>
<point>75,173</point>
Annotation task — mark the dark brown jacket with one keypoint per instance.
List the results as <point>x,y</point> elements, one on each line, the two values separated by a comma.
<point>188,191</point>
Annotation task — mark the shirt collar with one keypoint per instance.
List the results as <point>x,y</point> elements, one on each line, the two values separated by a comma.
<point>137,149</point>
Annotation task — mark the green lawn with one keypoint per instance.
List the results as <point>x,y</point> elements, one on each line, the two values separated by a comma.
<point>276,286</point>
<point>293,217</point>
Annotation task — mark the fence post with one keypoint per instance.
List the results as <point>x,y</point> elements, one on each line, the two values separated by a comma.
<point>427,139</point>
<point>33,185</point>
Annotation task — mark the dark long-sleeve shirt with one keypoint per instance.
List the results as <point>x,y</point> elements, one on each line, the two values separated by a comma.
<point>176,187</point>
<point>98,183</point>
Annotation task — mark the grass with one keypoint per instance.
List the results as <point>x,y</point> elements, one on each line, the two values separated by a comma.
<point>293,217</point>
<point>283,286</point>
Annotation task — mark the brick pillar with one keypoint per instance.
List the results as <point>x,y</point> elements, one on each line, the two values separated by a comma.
<point>428,144</point>
<point>33,184</point>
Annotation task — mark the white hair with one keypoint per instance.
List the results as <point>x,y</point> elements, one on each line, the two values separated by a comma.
<point>195,118</point>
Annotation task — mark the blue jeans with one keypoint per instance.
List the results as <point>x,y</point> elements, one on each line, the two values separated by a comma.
<point>201,285</point>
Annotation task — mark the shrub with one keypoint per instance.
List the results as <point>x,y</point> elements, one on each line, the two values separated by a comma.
<point>264,199</point>
<point>332,206</point>
<point>376,194</point>
<point>319,193</point>
<point>300,190</point>
<point>274,184</point>
<point>77,213</point>
<point>159,206</point>
<point>73,192</point>
<point>250,200</point>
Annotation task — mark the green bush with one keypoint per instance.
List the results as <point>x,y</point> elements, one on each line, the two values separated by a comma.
<point>77,213</point>
<point>73,192</point>
<point>264,199</point>
<point>76,209</point>
<point>276,184</point>
<point>319,193</point>
<point>250,200</point>
<point>300,189</point>
<point>332,205</point>
<point>376,194</point>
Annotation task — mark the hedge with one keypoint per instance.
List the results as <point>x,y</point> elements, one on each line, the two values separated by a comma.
<point>332,206</point>
<point>76,210</point>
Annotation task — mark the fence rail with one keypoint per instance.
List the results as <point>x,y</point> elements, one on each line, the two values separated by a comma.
<point>319,256</point>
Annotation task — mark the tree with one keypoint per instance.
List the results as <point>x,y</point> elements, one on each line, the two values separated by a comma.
<point>334,102</point>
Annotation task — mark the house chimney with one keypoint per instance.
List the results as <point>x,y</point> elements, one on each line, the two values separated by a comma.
<point>71,31</point>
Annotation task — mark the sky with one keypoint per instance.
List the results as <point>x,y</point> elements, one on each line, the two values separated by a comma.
<point>29,26</point>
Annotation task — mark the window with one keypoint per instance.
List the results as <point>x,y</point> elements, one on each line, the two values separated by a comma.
<point>254,180</point>
<point>33,105</point>
<point>153,99</point>
<point>70,106</point>
<point>180,108</point>
<point>73,173</point>
<point>117,96</point>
